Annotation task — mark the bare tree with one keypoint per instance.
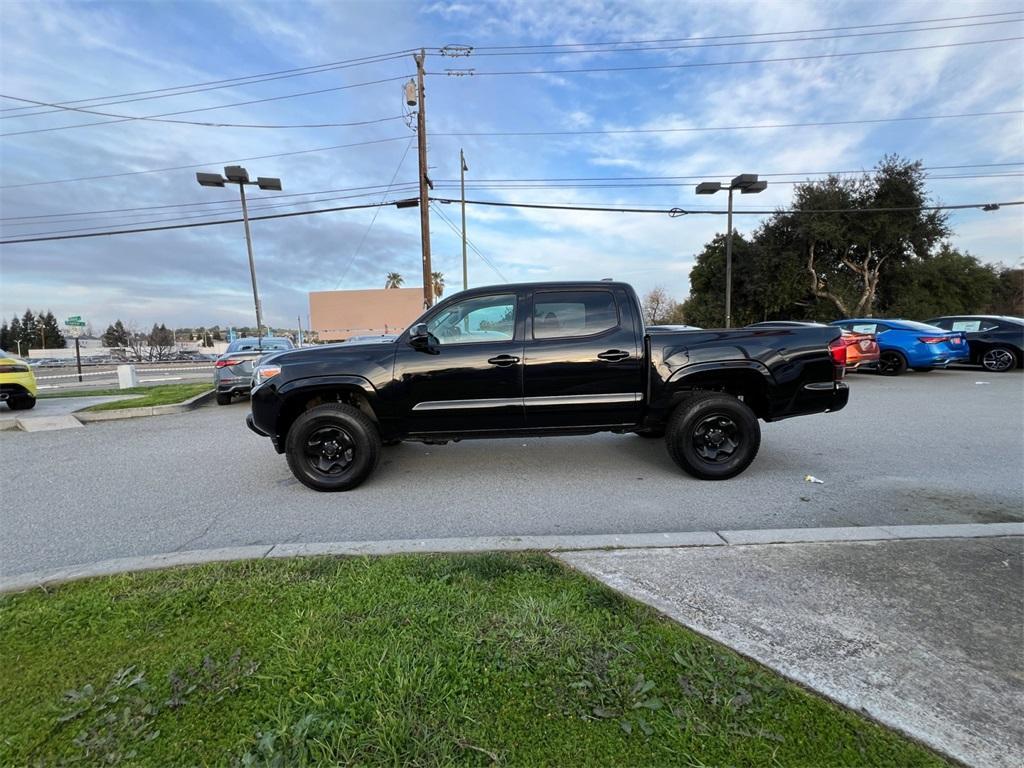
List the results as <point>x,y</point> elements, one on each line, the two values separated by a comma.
<point>658,306</point>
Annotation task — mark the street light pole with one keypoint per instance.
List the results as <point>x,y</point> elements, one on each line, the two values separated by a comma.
<point>236,174</point>
<point>463,168</point>
<point>252,263</point>
<point>747,184</point>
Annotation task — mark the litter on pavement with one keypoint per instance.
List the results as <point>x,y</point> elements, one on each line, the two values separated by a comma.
<point>813,479</point>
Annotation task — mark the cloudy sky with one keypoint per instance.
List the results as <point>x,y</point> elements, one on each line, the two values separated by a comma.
<point>633,128</point>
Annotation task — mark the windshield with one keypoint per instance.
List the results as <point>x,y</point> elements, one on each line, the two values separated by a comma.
<point>248,345</point>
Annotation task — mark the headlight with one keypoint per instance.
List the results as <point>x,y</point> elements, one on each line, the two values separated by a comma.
<point>263,373</point>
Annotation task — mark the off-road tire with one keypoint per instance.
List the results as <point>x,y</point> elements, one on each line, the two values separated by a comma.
<point>223,398</point>
<point>360,436</point>
<point>695,413</point>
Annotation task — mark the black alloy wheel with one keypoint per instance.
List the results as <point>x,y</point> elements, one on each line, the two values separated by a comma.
<point>713,436</point>
<point>891,363</point>
<point>332,447</point>
<point>716,438</point>
<point>999,360</point>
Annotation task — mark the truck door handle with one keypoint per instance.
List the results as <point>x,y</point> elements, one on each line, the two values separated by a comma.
<point>503,361</point>
<point>614,355</point>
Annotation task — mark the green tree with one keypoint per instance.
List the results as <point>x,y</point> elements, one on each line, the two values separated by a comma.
<point>393,280</point>
<point>437,284</point>
<point>848,248</point>
<point>706,304</point>
<point>29,332</point>
<point>116,335</point>
<point>1008,296</point>
<point>51,331</point>
<point>14,338</point>
<point>5,337</point>
<point>946,283</point>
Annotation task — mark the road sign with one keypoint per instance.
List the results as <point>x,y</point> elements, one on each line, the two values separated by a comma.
<point>74,319</point>
<point>74,323</point>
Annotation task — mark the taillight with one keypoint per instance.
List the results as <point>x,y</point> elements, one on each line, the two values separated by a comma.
<point>838,351</point>
<point>226,363</point>
<point>932,339</point>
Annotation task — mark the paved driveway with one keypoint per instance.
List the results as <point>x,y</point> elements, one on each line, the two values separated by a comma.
<point>45,407</point>
<point>924,448</point>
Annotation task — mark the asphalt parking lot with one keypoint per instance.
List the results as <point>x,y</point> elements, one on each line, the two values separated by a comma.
<point>943,447</point>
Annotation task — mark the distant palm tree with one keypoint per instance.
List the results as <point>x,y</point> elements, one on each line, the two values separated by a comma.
<point>393,280</point>
<point>437,279</point>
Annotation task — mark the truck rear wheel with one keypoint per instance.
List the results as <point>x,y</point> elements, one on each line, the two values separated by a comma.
<point>333,447</point>
<point>713,436</point>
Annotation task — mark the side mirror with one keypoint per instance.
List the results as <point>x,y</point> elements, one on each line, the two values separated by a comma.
<point>419,337</point>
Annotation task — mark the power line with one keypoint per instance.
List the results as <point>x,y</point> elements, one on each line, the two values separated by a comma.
<point>207,109</point>
<point>469,242</point>
<point>520,133</point>
<point>691,45</point>
<point>693,65</point>
<point>701,129</point>
<point>172,216</point>
<point>200,165</point>
<point>681,212</point>
<point>373,221</point>
<point>126,118</point>
<point>754,34</point>
<point>196,224</point>
<point>674,212</point>
<point>729,175</point>
<point>313,69</point>
<point>509,183</point>
<point>233,202</point>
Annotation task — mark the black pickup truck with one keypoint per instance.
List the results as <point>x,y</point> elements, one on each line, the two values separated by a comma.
<point>542,359</point>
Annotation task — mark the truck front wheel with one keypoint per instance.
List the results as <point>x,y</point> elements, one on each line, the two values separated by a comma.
<point>713,436</point>
<point>333,447</point>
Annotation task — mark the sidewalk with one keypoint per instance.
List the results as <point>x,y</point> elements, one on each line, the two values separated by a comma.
<point>923,635</point>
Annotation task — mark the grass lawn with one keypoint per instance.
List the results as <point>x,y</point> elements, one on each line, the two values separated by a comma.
<point>161,394</point>
<point>407,660</point>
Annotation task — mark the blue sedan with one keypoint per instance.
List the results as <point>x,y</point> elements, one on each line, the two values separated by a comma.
<point>907,344</point>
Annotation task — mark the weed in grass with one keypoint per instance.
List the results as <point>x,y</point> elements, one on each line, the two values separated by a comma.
<point>210,679</point>
<point>111,722</point>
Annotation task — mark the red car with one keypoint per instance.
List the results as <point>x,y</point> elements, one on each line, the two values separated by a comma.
<point>862,350</point>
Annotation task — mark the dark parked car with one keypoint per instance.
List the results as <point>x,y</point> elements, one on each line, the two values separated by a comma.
<point>232,371</point>
<point>542,359</point>
<point>996,341</point>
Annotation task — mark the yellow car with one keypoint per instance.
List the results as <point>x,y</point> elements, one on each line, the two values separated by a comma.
<point>17,382</point>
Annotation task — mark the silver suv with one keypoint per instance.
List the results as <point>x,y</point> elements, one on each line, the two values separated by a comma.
<point>232,372</point>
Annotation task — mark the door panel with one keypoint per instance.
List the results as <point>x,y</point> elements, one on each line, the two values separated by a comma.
<point>471,377</point>
<point>583,365</point>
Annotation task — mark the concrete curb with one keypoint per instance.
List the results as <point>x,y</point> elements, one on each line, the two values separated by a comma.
<point>26,581</point>
<point>87,417</point>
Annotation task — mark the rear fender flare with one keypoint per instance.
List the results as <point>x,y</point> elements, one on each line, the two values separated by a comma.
<point>712,375</point>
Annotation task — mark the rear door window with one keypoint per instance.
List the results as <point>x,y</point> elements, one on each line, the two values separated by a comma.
<point>864,327</point>
<point>561,314</point>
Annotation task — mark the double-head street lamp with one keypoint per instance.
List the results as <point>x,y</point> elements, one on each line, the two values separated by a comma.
<point>236,174</point>
<point>747,184</point>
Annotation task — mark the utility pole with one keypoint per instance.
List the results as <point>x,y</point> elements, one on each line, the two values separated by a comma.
<point>462,171</point>
<point>421,137</point>
<point>728,266</point>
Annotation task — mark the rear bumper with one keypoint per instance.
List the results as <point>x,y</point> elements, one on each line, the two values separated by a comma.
<point>816,397</point>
